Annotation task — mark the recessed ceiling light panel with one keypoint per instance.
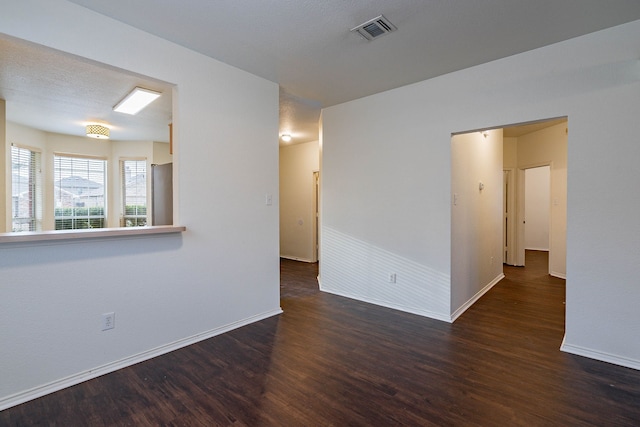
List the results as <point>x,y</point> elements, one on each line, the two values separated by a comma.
<point>136,101</point>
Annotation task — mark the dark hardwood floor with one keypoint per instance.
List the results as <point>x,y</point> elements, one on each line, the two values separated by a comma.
<point>331,361</point>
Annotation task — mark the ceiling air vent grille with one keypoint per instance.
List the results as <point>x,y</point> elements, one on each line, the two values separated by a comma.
<point>374,28</point>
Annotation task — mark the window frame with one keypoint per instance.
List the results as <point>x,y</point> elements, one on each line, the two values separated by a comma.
<point>36,189</point>
<point>123,193</point>
<point>105,194</point>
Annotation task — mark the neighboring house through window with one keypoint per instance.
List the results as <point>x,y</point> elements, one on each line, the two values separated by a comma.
<point>79,192</point>
<point>26,189</point>
<point>134,193</point>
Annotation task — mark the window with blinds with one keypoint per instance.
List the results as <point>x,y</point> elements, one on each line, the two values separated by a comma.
<point>79,192</point>
<point>26,190</point>
<point>134,193</point>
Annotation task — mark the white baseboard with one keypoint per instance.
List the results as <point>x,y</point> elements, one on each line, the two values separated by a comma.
<point>558,275</point>
<point>475,298</point>
<point>295,258</point>
<point>39,391</point>
<point>601,356</point>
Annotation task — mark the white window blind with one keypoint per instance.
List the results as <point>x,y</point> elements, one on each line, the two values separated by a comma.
<point>26,190</point>
<point>79,192</point>
<point>134,193</point>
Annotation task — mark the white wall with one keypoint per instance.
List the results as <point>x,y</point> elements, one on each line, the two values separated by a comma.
<point>297,200</point>
<point>476,216</point>
<point>167,290</point>
<point>386,204</point>
<point>386,165</point>
<point>537,203</point>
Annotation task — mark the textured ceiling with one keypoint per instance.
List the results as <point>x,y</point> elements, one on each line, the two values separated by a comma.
<point>306,47</point>
<point>56,92</point>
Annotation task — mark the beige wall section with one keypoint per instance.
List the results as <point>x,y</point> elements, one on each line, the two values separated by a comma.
<point>476,216</point>
<point>161,154</point>
<point>549,146</point>
<point>297,200</point>
<point>510,152</point>
<point>4,150</point>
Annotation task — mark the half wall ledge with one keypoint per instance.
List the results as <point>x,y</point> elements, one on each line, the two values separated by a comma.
<point>89,234</point>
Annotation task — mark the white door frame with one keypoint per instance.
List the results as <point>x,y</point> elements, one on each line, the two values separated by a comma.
<point>520,223</point>
<point>316,215</point>
<point>510,217</point>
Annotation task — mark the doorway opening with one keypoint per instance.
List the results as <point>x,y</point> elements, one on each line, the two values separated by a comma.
<point>536,158</point>
<point>488,221</point>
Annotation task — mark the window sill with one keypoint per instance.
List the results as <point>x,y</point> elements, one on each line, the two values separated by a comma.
<point>97,233</point>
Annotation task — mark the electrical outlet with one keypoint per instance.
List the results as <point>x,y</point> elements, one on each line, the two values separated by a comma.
<point>392,278</point>
<point>108,321</point>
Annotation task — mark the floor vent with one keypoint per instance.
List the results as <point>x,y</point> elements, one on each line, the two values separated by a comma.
<point>374,28</point>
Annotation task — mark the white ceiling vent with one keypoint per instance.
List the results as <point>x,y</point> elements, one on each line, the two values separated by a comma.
<point>374,28</point>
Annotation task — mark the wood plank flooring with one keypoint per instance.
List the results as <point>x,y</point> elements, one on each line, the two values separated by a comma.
<point>331,361</point>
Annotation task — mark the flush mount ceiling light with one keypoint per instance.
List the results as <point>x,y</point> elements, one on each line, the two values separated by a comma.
<point>136,101</point>
<point>286,137</point>
<point>374,28</point>
<point>97,131</point>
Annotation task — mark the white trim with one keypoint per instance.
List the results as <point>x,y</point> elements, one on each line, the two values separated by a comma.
<point>519,213</point>
<point>512,215</point>
<point>598,355</point>
<point>475,298</point>
<point>80,156</point>
<point>558,275</point>
<point>295,258</point>
<point>26,147</point>
<point>423,313</point>
<point>39,391</point>
<point>316,216</point>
